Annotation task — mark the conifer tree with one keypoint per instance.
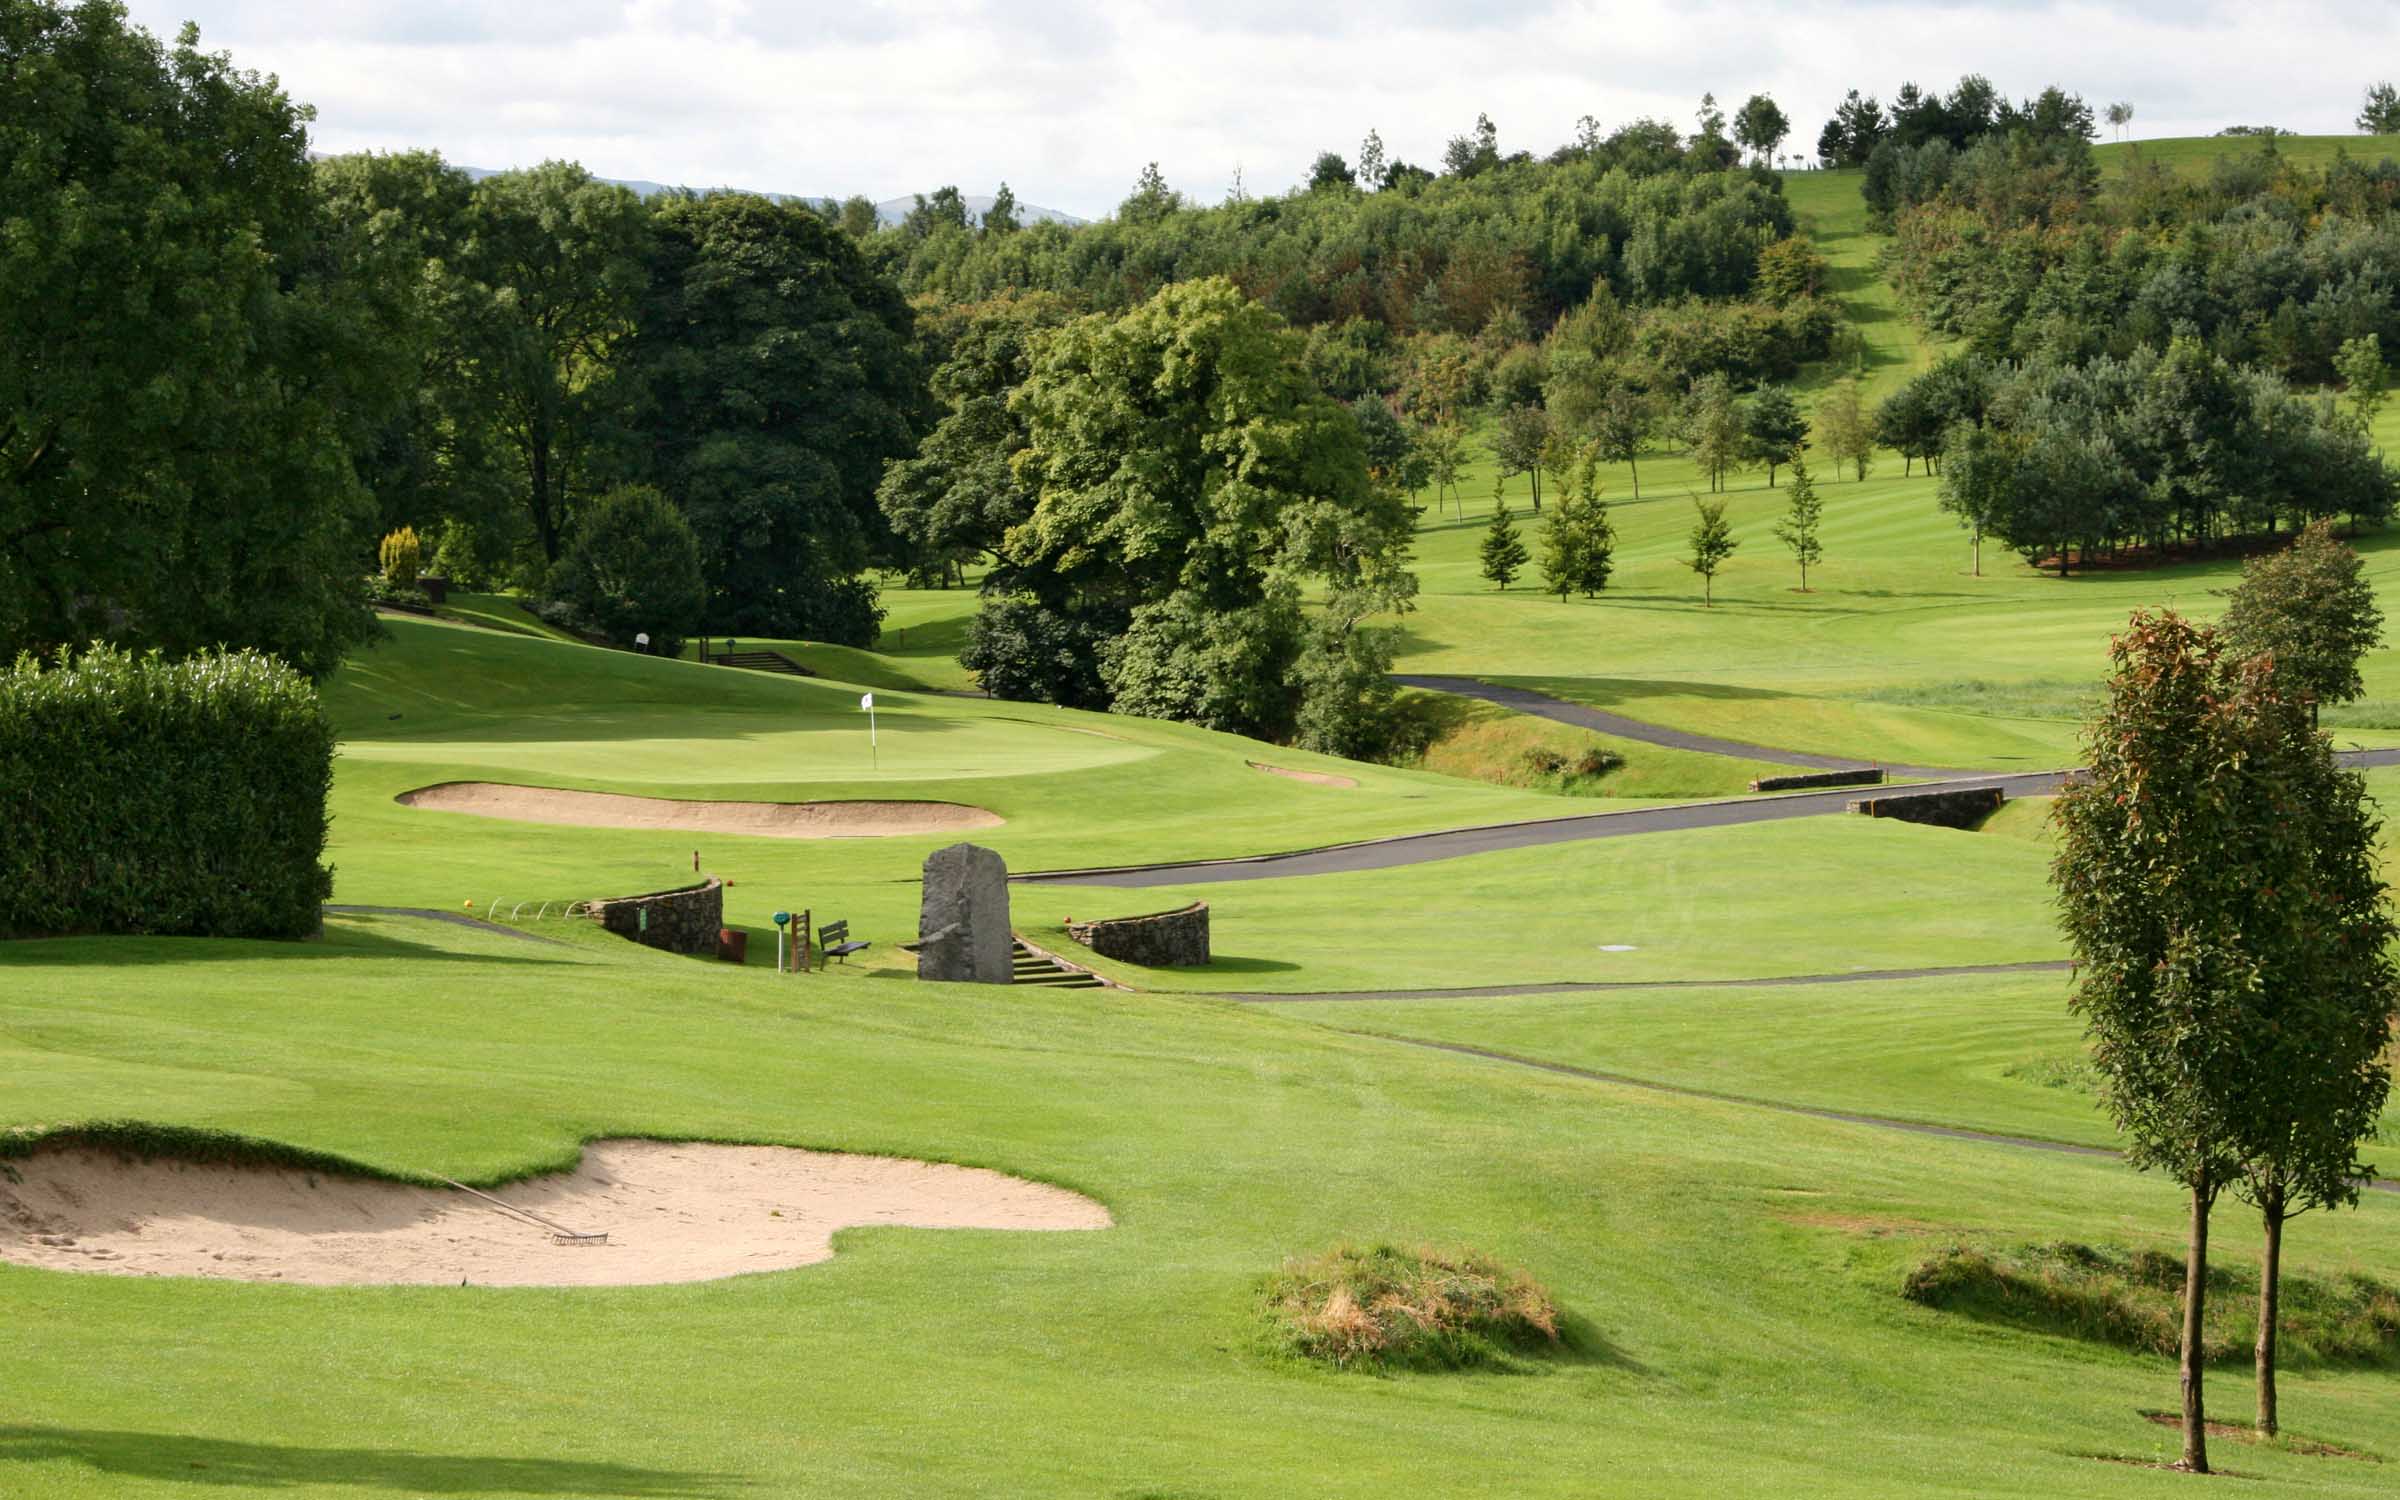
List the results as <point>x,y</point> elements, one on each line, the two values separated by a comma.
<point>1503,549</point>
<point>1579,545</point>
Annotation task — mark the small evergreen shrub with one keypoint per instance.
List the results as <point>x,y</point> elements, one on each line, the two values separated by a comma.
<point>1421,1309</point>
<point>402,558</point>
<point>140,795</point>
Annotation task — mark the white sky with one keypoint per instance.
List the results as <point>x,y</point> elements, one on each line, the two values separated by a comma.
<point>1066,99</point>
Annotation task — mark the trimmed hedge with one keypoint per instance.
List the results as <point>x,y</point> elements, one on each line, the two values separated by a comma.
<point>139,795</point>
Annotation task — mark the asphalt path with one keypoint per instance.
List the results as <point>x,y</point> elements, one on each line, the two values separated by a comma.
<point>1559,711</point>
<point>1457,843</point>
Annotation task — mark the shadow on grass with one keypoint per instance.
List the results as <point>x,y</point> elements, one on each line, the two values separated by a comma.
<point>352,940</point>
<point>1232,963</point>
<point>173,1458</point>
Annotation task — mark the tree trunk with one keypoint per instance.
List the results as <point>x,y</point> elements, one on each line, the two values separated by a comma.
<point>1635,465</point>
<point>1979,554</point>
<point>545,526</point>
<point>2270,1306</point>
<point>2195,1301</point>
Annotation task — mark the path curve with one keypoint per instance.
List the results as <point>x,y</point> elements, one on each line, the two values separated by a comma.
<point>1560,711</point>
<point>1457,843</point>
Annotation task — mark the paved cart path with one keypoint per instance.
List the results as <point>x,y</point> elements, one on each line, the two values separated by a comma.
<point>1456,843</point>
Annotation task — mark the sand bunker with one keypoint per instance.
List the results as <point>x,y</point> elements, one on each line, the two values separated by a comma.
<point>1313,778</point>
<point>671,1213</point>
<point>775,820</point>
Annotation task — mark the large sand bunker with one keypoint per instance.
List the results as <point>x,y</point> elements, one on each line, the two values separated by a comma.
<point>671,1213</point>
<point>775,820</point>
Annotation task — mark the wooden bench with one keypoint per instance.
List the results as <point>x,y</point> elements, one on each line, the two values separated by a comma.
<point>833,941</point>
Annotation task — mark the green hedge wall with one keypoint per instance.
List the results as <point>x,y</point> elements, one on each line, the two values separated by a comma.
<point>139,795</point>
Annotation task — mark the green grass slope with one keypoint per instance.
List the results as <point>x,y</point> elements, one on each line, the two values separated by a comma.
<point>1732,1275</point>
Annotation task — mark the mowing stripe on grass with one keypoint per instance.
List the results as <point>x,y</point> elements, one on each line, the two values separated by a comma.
<point>1846,1117</point>
<point>1573,986</point>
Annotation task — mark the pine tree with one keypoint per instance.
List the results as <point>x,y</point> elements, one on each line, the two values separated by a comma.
<point>1579,545</point>
<point>1798,528</point>
<point>1503,549</point>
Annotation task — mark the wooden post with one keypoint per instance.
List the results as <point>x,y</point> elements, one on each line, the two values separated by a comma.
<point>808,937</point>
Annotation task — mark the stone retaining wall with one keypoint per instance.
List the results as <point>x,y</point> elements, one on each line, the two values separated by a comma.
<point>1162,940</point>
<point>684,920</point>
<point>1817,778</point>
<point>1959,809</point>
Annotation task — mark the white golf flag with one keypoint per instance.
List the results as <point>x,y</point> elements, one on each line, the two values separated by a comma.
<point>866,700</point>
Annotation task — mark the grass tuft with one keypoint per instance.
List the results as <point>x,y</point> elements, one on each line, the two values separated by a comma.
<point>1420,1309</point>
<point>2133,1299</point>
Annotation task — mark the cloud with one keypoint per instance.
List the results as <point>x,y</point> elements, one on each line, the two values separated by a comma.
<point>1067,100</point>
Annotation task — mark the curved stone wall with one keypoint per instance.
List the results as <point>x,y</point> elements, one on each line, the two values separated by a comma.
<point>683,920</point>
<point>1162,940</point>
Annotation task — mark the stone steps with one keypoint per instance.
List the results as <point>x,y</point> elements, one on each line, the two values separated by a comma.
<point>761,661</point>
<point>1029,967</point>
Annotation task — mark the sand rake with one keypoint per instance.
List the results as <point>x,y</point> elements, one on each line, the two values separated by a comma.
<point>559,1233</point>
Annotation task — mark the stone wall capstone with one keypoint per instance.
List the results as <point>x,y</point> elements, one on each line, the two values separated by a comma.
<point>1955,809</point>
<point>1869,777</point>
<point>683,920</point>
<point>1161,940</point>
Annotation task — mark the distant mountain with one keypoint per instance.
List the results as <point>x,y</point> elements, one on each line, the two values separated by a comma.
<point>890,211</point>
<point>893,210</point>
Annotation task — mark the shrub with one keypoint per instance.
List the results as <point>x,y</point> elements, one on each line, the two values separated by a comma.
<point>2133,1299</point>
<point>144,796</point>
<point>633,568</point>
<point>1594,761</point>
<point>1419,1309</point>
<point>1545,760</point>
<point>402,558</point>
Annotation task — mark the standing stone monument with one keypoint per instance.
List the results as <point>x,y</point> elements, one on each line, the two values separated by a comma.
<point>962,926</point>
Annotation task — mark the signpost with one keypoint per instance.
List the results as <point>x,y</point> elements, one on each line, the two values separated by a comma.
<point>874,756</point>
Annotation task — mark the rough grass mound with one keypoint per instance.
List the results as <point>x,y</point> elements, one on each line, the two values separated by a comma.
<point>2133,1299</point>
<point>1421,1309</point>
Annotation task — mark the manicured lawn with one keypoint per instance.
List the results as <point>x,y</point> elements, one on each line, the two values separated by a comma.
<point>1732,1273</point>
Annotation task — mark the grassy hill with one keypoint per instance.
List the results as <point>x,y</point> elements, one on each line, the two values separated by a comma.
<point>1709,1173</point>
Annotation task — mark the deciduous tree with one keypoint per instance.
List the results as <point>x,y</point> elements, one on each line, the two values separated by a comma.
<point>1773,431</point>
<point>2311,609</point>
<point>1843,431</point>
<point>1761,126</point>
<point>183,373</point>
<point>1517,442</point>
<point>550,277</point>
<point>1712,428</point>
<point>2200,893</point>
<point>1712,543</point>
<point>774,376</point>
<point>1803,514</point>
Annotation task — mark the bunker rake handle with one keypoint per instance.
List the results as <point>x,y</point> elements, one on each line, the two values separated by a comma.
<point>559,1233</point>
